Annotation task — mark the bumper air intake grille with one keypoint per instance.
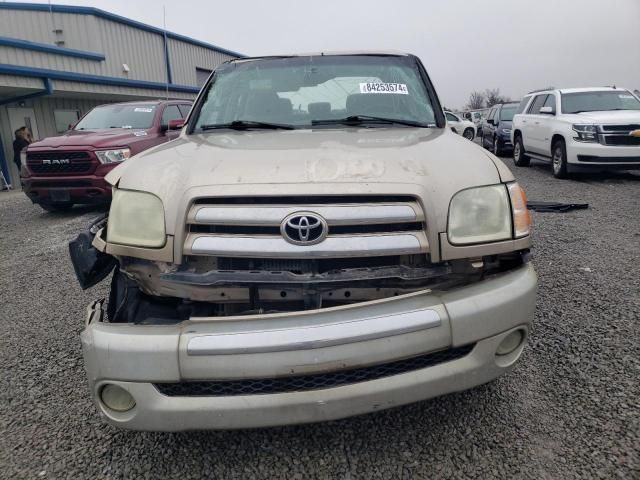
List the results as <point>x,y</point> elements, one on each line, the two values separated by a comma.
<point>305,383</point>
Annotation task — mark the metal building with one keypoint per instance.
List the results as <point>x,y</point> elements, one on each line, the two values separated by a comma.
<point>57,62</point>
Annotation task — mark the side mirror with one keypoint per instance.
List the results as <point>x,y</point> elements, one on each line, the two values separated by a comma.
<point>547,110</point>
<point>176,124</point>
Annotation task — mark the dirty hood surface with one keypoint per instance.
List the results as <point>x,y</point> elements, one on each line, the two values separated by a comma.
<point>113,137</point>
<point>430,163</point>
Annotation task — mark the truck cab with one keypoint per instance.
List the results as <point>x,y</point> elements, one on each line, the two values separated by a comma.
<point>59,172</point>
<point>316,244</point>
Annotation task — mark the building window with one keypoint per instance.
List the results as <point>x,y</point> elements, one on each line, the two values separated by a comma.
<point>65,118</point>
<point>202,74</point>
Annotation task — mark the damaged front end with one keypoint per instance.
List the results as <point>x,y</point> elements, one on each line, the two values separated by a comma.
<point>155,292</point>
<point>90,264</point>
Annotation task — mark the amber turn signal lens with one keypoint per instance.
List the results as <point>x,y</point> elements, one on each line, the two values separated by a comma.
<point>522,220</point>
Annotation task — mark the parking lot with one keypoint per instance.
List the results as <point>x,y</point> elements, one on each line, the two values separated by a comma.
<point>569,409</point>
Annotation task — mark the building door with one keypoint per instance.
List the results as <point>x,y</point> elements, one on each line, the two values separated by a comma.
<point>20,117</point>
<point>23,117</point>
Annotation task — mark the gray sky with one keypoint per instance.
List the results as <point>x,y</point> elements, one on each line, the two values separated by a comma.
<point>514,45</point>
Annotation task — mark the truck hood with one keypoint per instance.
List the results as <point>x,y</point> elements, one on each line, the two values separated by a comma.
<point>432,164</point>
<point>113,137</point>
<point>615,117</point>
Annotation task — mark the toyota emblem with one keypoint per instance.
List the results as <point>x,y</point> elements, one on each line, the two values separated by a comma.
<point>304,228</point>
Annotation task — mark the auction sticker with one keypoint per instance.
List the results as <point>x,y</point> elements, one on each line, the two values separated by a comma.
<point>397,88</point>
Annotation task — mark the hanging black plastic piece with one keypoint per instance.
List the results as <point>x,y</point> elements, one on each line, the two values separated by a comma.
<point>546,207</point>
<point>91,265</point>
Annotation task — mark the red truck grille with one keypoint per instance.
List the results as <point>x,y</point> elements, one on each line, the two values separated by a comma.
<point>52,163</point>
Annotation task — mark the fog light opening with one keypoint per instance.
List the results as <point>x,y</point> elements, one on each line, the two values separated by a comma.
<point>510,342</point>
<point>116,398</point>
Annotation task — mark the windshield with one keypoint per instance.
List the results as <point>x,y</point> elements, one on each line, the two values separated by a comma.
<point>118,116</point>
<point>299,91</point>
<point>507,112</point>
<point>599,101</point>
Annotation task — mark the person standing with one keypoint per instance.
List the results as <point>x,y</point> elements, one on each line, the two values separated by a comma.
<point>22,140</point>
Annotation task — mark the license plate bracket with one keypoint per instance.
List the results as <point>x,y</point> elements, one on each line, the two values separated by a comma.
<point>60,195</point>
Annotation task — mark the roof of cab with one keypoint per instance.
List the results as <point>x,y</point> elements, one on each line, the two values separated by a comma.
<point>385,53</point>
<point>145,102</point>
<point>575,90</point>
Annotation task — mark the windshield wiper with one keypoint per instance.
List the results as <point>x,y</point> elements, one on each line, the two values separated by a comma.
<point>361,119</point>
<point>246,124</point>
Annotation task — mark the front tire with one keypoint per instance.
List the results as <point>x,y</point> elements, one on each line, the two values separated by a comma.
<point>468,134</point>
<point>519,157</point>
<point>559,159</point>
<point>497,151</point>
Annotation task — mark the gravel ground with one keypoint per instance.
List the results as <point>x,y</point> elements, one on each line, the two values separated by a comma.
<point>569,410</point>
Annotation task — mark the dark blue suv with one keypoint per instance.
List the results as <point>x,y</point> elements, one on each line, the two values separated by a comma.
<point>496,129</point>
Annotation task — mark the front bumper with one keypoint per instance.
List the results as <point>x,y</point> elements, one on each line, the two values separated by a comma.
<point>598,156</point>
<point>504,141</point>
<point>84,189</point>
<point>308,343</point>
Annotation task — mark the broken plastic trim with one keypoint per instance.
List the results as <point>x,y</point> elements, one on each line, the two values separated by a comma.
<point>243,278</point>
<point>91,266</point>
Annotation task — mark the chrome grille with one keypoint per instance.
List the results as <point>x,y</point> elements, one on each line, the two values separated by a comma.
<point>620,128</point>
<point>618,135</point>
<point>357,227</point>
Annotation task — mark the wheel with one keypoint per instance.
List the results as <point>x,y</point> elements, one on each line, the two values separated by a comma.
<point>519,157</point>
<point>497,151</point>
<point>484,142</point>
<point>559,159</point>
<point>57,207</point>
<point>468,134</point>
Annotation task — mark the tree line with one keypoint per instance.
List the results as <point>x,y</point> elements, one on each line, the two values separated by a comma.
<point>486,99</point>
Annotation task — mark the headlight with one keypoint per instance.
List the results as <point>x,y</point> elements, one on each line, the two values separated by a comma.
<point>136,219</point>
<point>113,156</point>
<point>506,131</point>
<point>23,158</point>
<point>480,215</point>
<point>586,133</point>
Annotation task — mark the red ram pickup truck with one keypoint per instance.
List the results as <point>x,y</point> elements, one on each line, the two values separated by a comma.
<point>58,172</point>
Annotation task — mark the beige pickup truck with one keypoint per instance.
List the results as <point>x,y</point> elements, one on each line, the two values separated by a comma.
<point>316,244</point>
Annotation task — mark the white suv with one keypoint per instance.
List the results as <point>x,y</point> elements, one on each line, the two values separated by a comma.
<point>461,126</point>
<point>578,128</point>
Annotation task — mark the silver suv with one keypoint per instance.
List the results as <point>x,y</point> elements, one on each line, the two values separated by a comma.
<point>316,244</point>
